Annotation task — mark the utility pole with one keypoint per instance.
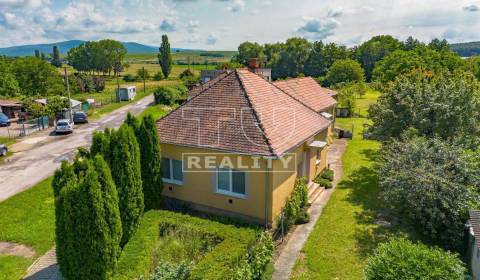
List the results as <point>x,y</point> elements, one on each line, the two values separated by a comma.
<point>143,76</point>
<point>68,90</point>
<point>118,85</point>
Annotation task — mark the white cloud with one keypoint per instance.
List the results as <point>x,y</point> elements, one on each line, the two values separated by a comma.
<point>211,39</point>
<point>318,29</point>
<point>168,25</point>
<point>236,6</point>
<point>471,8</point>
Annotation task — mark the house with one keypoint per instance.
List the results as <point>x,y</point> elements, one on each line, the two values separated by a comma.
<point>76,107</point>
<point>239,143</point>
<point>474,244</point>
<point>11,108</point>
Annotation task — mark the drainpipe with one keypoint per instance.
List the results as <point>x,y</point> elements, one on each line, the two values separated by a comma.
<point>267,188</point>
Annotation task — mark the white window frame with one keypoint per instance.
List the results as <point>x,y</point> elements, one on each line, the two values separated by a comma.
<point>230,192</point>
<point>173,181</point>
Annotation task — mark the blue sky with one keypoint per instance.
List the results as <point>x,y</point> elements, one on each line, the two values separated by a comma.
<point>223,24</point>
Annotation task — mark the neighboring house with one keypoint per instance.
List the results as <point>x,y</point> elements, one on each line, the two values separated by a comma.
<point>11,108</point>
<point>307,91</point>
<point>474,244</point>
<point>76,107</point>
<point>237,146</point>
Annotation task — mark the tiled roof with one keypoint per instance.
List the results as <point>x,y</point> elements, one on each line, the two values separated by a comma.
<point>475,223</point>
<point>241,113</point>
<point>196,90</point>
<point>309,92</point>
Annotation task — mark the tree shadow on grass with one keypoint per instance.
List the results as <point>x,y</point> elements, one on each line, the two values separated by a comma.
<point>377,223</point>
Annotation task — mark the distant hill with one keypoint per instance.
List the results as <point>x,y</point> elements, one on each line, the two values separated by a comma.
<point>64,47</point>
<point>466,49</point>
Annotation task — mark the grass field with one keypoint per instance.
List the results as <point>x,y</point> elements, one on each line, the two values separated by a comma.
<point>347,231</point>
<point>157,111</point>
<point>27,218</point>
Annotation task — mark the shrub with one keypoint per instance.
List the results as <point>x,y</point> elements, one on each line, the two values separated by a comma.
<point>170,271</point>
<point>186,74</point>
<point>158,76</point>
<point>297,201</point>
<point>170,95</point>
<point>126,171</point>
<point>235,245</point>
<point>327,174</point>
<point>143,74</point>
<point>431,183</point>
<point>130,78</point>
<point>323,182</point>
<point>402,259</point>
<point>303,217</point>
<point>98,83</point>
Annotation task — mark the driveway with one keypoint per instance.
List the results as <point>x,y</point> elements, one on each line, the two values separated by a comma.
<point>25,169</point>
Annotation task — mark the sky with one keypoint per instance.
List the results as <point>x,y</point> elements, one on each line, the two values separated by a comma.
<point>224,24</point>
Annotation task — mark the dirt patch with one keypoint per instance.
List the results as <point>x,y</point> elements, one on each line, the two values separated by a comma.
<point>15,249</point>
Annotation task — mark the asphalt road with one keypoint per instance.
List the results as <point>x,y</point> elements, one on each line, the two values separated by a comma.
<point>25,169</point>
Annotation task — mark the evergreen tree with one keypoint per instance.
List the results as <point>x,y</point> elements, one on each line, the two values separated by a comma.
<point>112,212</point>
<point>37,53</point>
<point>56,57</point>
<point>134,123</point>
<point>150,162</point>
<point>101,144</point>
<point>165,57</point>
<point>42,56</point>
<point>126,172</point>
<point>87,247</point>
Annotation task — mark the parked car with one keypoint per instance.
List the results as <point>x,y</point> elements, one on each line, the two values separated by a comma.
<point>80,117</point>
<point>3,150</point>
<point>4,120</point>
<point>64,126</point>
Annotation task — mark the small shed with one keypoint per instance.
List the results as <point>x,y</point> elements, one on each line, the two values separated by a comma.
<point>126,93</point>
<point>474,243</point>
<point>11,108</point>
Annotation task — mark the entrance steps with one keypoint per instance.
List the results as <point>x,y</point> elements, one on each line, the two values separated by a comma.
<point>314,191</point>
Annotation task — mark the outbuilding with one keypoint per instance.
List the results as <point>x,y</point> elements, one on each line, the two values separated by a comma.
<point>126,93</point>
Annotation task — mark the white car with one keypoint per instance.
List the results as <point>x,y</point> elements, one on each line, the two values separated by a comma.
<point>64,126</point>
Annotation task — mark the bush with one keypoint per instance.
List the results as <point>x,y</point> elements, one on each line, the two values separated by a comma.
<point>237,245</point>
<point>402,259</point>
<point>171,94</point>
<point>295,204</point>
<point>98,83</point>
<point>158,76</point>
<point>143,74</point>
<point>432,184</point>
<point>303,217</point>
<point>323,182</point>
<point>170,271</point>
<point>327,174</point>
<point>130,78</point>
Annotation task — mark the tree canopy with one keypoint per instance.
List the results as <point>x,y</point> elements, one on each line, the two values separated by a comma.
<point>344,71</point>
<point>322,56</point>
<point>445,105</point>
<point>402,259</point>
<point>165,56</point>
<point>432,184</point>
<point>103,56</point>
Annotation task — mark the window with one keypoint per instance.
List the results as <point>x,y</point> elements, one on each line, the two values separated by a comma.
<point>172,171</point>
<point>319,158</point>
<point>231,182</point>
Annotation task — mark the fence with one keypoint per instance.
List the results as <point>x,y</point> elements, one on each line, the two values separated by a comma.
<point>23,128</point>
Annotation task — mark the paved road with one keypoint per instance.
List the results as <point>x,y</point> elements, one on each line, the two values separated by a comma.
<point>25,169</point>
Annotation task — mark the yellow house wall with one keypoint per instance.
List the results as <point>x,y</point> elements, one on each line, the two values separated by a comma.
<point>199,187</point>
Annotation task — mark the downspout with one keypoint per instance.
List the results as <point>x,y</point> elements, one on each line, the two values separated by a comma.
<point>267,190</point>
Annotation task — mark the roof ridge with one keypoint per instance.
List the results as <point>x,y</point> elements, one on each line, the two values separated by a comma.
<point>255,114</point>
<point>195,96</point>
<point>296,99</point>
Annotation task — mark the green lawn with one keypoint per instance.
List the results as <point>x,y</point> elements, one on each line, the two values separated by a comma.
<point>27,218</point>
<point>157,111</point>
<point>364,102</point>
<point>347,232</point>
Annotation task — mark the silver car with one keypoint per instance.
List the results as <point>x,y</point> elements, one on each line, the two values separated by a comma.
<point>64,126</point>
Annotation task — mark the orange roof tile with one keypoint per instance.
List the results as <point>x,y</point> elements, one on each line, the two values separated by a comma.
<point>309,92</point>
<point>241,113</point>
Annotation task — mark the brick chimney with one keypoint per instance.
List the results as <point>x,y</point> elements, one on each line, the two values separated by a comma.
<point>253,64</point>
